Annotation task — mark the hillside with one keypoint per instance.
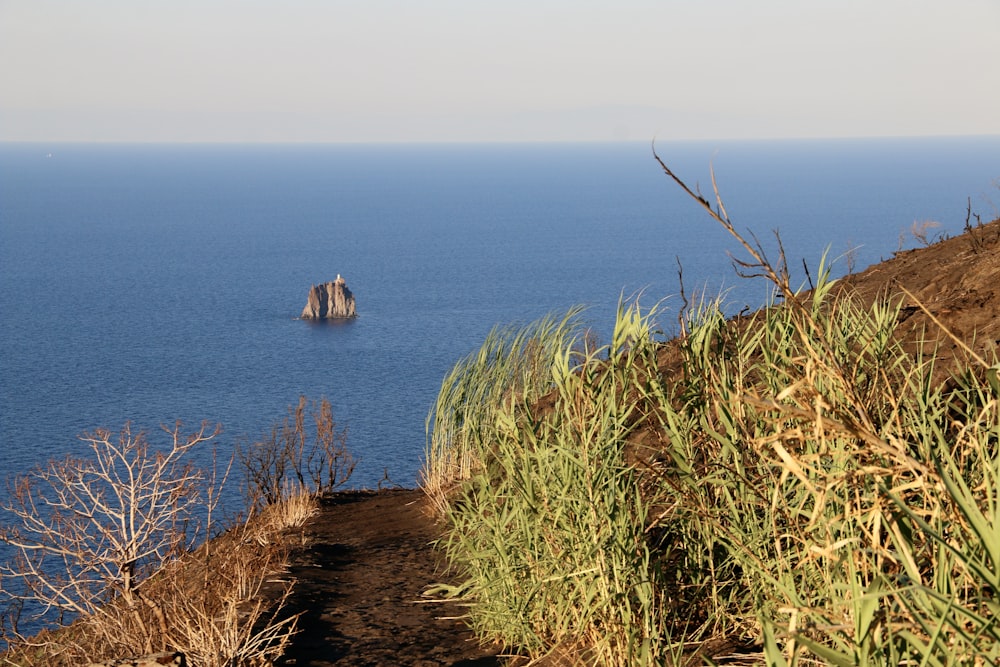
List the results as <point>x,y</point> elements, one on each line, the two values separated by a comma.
<point>956,280</point>
<point>368,556</point>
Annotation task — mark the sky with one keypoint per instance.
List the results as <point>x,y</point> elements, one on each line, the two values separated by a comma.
<point>511,70</point>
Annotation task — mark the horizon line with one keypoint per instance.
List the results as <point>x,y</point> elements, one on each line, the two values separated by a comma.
<point>479,142</point>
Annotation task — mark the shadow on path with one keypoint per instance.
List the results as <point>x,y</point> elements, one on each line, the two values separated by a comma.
<point>368,559</point>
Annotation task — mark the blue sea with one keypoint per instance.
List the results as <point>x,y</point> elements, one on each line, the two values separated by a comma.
<point>156,283</point>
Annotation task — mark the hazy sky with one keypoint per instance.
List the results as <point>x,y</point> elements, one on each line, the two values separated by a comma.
<point>511,70</point>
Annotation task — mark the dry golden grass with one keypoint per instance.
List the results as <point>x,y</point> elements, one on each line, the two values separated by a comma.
<point>110,542</point>
<point>814,491</point>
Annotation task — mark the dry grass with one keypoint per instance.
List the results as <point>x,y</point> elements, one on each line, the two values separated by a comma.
<point>223,605</point>
<point>814,493</point>
<point>109,541</point>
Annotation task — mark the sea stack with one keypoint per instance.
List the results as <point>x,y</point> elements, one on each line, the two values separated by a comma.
<point>330,300</point>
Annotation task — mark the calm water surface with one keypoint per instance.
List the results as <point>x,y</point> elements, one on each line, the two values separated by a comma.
<point>159,283</point>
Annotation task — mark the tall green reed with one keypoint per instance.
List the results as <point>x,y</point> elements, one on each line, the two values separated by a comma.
<point>512,364</point>
<point>548,534</point>
<point>811,490</point>
<point>824,496</point>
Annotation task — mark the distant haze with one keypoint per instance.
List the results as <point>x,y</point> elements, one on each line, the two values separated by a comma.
<point>451,70</point>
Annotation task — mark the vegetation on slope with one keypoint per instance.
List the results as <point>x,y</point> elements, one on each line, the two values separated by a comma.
<point>110,549</point>
<point>807,485</point>
<point>798,482</point>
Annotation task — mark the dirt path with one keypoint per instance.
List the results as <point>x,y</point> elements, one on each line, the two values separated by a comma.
<point>360,577</point>
<point>368,556</point>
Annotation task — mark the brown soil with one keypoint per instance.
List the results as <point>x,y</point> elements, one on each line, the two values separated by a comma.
<point>369,556</point>
<point>955,281</point>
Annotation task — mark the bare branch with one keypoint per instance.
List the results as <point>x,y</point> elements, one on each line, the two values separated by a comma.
<point>89,531</point>
<point>292,460</point>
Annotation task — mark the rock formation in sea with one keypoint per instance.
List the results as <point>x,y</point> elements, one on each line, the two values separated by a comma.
<point>330,300</point>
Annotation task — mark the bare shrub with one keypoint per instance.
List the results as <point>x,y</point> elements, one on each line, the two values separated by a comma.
<point>974,232</point>
<point>107,542</point>
<point>851,257</point>
<point>87,533</point>
<point>291,460</point>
